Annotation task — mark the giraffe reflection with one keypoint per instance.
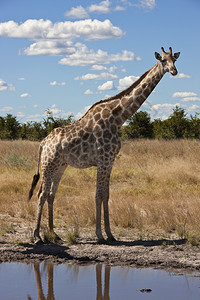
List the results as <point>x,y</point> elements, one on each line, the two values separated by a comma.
<point>50,292</point>
<point>102,294</point>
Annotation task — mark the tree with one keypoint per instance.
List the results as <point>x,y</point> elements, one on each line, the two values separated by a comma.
<point>179,123</point>
<point>11,127</point>
<point>194,125</point>
<point>139,126</point>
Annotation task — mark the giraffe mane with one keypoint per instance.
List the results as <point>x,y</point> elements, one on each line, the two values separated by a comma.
<point>121,94</point>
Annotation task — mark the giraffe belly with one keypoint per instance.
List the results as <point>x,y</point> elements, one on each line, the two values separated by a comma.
<point>81,157</point>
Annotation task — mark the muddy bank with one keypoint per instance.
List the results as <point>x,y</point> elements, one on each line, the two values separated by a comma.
<point>160,253</point>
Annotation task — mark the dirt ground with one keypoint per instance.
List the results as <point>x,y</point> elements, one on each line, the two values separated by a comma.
<point>129,250</point>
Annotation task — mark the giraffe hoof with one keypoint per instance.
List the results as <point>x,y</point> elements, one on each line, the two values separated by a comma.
<point>57,239</point>
<point>111,239</point>
<point>39,242</point>
<point>101,241</point>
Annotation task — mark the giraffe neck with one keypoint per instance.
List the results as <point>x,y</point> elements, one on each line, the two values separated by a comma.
<point>131,102</point>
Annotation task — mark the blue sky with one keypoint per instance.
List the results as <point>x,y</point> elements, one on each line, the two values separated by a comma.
<point>66,55</point>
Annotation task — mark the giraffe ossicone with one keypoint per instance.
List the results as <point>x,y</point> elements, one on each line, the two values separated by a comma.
<point>93,141</point>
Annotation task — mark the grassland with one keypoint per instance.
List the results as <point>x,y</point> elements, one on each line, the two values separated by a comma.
<point>155,185</point>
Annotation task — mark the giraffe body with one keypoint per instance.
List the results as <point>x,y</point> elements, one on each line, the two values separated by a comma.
<point>93,141</point>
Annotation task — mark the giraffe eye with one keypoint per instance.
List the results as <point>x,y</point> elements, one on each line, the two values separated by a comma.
<point>164,61</point>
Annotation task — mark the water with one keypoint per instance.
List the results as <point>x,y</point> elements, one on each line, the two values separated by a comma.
<point>100,282</point>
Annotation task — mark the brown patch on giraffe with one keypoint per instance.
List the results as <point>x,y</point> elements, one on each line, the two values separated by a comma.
<point>138,91</point>
<point>101,123</point>
<point>112,104</point>
<point>107,147</point>
<point>97,109</point>
<point>100,141</point>
<point>118,121</point>
<point>117,110</point>
<point>113,129</point>
<point>91,138</point>
<point>97,117</point>
<point>89,126</point>
<point>141,99</point>
<point>134,107</point>
<point>97,131</point>
<point>85,147</point>
<point>111,119</point>
<point>125,115</point>
<point>77,151</point>
<point>105,113</point>
<point>146,92</point>
<point>85,136</point>
<point>144,85</point>
<point>107,134</point>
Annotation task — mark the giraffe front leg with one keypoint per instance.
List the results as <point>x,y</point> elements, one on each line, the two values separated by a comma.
<point>53,237</point>
<point>102,195</point>
<point>107,222</point>
<point>100,237</point>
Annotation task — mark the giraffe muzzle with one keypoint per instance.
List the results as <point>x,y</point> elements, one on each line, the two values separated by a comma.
<point>173,71</point>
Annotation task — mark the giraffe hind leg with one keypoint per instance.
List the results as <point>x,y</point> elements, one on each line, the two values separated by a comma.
<point>50,200</point>
<point>42,196</point>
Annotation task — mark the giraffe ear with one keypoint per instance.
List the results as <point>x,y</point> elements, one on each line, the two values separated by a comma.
<point>158,56</point>
<point>176,55</point>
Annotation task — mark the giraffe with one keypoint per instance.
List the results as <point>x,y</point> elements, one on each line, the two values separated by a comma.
<point>93,141</point>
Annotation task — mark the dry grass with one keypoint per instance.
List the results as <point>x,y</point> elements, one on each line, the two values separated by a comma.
<point>154,185</point>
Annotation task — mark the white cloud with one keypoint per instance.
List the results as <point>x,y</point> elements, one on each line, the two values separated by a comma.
<point>56,38</point>
<point>88,92</point>
<point>163,110</point>
<point>101,68</point>
<point>6,108</point>
<point>77,13</point>
<point>45,29</point>
<point>20,114</point>
<point>50,47</point>
<point>88,57</point>
<point>112,69</point>
<point>103,7</point>
<point>55,110</point>
<point>57,83</point>
<point>147,4</point>
<point>167,106</point>
<point>188,99</point>
<point>180,75</point>
<point>6,86</point>
<point>21,79</point>
<point>25,95</point>
<point>36,117</point>
<point>109,85</point>
<point>193,107</point>
<point>98,68</point>
<point>184,94</point>
<point>91,76</point>
<point>126,82</point>
<point>119,8</point>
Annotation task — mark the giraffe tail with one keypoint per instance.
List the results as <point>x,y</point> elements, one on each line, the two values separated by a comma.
<point>36,177</point>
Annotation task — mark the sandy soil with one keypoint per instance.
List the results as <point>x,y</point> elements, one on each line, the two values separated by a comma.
<point>171,252</point>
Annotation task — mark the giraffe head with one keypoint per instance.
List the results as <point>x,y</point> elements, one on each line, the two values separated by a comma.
<point>167,60</point>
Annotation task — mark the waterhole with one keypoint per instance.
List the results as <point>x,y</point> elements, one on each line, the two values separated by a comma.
<point>101,282</point>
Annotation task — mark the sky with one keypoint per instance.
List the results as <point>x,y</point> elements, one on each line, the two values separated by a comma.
<point>66,55</point>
